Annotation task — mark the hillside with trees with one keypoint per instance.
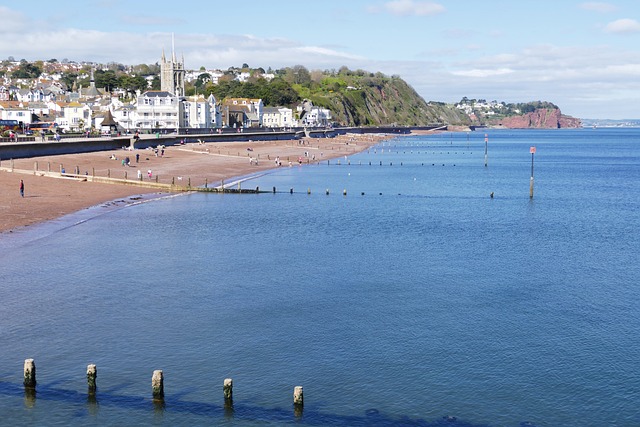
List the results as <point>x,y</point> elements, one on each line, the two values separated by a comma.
<point>355,98</point>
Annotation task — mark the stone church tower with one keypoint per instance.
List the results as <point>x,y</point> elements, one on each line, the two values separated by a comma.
<point>172,75</point>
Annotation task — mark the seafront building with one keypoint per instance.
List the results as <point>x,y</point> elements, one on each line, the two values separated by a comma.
<point>158,109</point>
<point>242,112</point>
<point>277,117</point>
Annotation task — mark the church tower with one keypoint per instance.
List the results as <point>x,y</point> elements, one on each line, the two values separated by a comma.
<point>172,74</point>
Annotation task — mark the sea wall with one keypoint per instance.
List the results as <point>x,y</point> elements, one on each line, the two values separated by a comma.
<point>28,149</point>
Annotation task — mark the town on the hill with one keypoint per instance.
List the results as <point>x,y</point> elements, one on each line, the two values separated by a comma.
<point>48,105</point>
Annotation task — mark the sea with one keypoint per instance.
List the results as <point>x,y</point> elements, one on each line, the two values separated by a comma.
<point>427,281</point>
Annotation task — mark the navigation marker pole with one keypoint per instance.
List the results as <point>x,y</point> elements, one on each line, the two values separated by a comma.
<point>532,150</point>
<point>486,148</point>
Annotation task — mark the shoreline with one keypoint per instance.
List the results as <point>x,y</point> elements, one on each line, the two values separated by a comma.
<point>50,195</point>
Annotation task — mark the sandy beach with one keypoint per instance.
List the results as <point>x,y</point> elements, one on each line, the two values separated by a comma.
<point>49,197</point>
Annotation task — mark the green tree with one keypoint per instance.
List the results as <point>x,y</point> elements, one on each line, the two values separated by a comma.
<point>155,83</point>
<point>27,71</point>
<point>69,78</point>
<point>106,79</point>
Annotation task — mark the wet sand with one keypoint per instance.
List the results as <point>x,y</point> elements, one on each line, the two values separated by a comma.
<point>50,197</point>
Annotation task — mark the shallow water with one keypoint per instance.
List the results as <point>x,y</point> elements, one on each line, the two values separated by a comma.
<point>420,299</point>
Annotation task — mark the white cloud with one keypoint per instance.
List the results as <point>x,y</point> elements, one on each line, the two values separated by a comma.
<point>409,7</point>
<point>12,21</point>
<point>623,26</point>
<point>482,73</point>
<point>600,7</point>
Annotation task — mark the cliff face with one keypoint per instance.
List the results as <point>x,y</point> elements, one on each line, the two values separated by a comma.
<point>541,119</point>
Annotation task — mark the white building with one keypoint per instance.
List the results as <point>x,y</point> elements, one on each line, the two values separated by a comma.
<point>126,116</point>
<point>216,115</point>
<point>11,110</point>
<point>277,117</point>
<point>197,112</point>
<point>75,117</point>
<point>313,116</point>
<point>159,110</point>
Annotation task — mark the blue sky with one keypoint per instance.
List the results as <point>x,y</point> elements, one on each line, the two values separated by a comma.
<point>582,55</point>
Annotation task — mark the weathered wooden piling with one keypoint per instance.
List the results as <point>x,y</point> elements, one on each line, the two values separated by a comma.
<point>532,150</point>
<point>298,398</point>
<point>92,373</point>
<point>157,384</point>
<point>227,389</point>
<point>29,373</point>
<point>486,150</point>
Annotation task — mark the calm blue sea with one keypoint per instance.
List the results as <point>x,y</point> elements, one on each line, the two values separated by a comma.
<point>414,300</point>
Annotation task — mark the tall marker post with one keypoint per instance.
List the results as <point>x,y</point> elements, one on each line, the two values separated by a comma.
<point>532,150</point>
<point>486,149</point>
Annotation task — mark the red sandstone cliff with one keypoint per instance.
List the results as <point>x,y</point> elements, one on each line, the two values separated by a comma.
<point>542,118</point>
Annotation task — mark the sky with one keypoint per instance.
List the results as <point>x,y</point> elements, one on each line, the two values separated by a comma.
<point>583,56</point>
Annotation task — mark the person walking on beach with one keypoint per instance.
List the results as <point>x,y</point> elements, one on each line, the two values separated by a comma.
<point>21,188</point>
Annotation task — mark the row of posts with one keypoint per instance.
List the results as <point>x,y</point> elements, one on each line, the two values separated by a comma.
<point>157,383</point>
<point>93,173</point>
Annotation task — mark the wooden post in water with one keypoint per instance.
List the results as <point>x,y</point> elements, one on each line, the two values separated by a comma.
<point>298,398</point>
<point>29,373</point>
<point>532,150</point>
<point>157,384</point>
<point>227,389</point>
<point>486,149</point>
<point>92,373</point>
